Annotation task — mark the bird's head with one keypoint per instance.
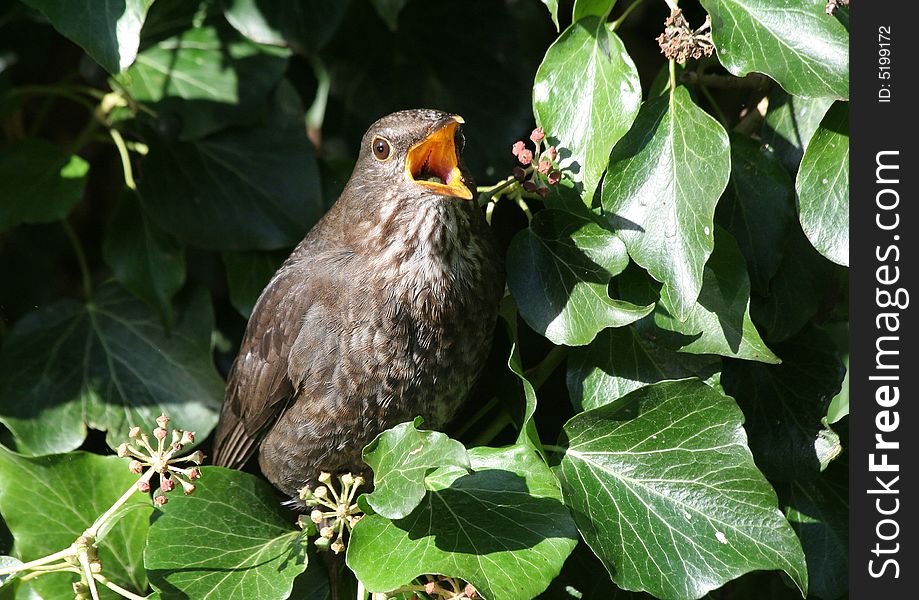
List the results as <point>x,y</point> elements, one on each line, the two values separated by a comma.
<point>416,151</point>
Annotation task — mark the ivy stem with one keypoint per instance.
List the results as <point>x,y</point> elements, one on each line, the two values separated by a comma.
<point>556,449</point>
<point>44,560</point>
<point>81,259</point>
<point>672,79</point>
<point>496,426</point>
<point>93,530</point>
<point>88,575</point>
<point>125,158</point>
<point>672,4</point>
<point>361,592</point>
<point>117,588</point>
<point>489,192</point>
<point>625,14</point>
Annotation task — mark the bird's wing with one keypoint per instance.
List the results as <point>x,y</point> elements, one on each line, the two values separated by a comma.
<point>258,387</point>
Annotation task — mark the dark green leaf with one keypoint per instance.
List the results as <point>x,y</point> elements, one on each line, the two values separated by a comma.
<point>720,322</point>
<point>401,457</point>
<point>502,528</point>
<point>253,189</point>
<point>797,44</point>
<point>528,434</point>
<point>109,32</point>
<point>585,96</point>
<point>247,275</point>
<point>39,182</point>
<point>229,539</point>
<point>585,578</point>
<point>664,490</point>
<point>559,271</point>
<point>790,122</point>
<point>206,77</point>
<point>588,8</point>
<point>624,359</point>
<point>389,11</point>
<point>823,186</point>
<point>49,501</point>
<point>818,510</point>
<point>665,177</point>
<point>305,26</point>
<point>144,259</point>
<point>108,365</point>
<point>804,282</point>
<point>786,405</point>
<point>839,405</point>
<point>757,208</point>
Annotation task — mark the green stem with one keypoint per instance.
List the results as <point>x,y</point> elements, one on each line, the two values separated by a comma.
<point>117,588</point>
<point>479,414</point>
<point>556,449</point>
<point>672,79</point>
<point>625,14</point>
<point>81,259</point>
<point>538,374</point>
<point>69,551</point>
<point>718,112</point>
<point>88,575</point>
<point>493,429</point>
<point>361,592</point>
<point>672,4</point>
<point>486,193</point>
<point>315,115</point>
<point>125,158</point>
<point>93,530</point>
<point>62,568</point>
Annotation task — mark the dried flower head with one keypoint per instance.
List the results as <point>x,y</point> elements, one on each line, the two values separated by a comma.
<point>679,42</point>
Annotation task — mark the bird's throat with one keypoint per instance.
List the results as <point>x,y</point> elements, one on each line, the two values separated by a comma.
<point>432,163</point>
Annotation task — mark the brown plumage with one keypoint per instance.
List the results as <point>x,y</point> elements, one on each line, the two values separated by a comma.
<point>384,311</point>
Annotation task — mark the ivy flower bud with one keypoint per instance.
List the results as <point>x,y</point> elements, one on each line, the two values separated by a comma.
<point>95,566</point>
<point>322,543</point>
<point>358,481</point>
<point>470,592</point>
<point>429,587</point>
<point>176,438</point>
<point>160,500</point>
<point>321,491</point>
<point>555,177</point>
<point>316,516</point>
<point>325,477</point>
<point>167,485</point>
<point>187,488</point>
<point>525,157</point>
<point>552,152</point>
<point>517,148</point>
<point>194,473</point>
<point>352,521</point>
<point>134,433</point>
<point>519,174</point>
<point>188,437</point>
<point>338,547</point>
<point>327,532</point>
<point>159,433</point>
<point>529,186</point>
<point>347,479</point>
<point>136,467</point>
<point>143,486</point>
<point>122,450</point>
<point>538,135</point>
<point>162,421</point>
<point>544,167</point>
<point>196,457</point>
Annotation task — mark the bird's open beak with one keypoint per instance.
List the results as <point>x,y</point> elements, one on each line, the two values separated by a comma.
<point>432,162</point>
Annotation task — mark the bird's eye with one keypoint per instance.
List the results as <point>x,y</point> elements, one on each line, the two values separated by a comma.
<point>381,148</point>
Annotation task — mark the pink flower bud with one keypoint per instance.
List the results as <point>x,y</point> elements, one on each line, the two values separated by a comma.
<point>162,421</point>
<point>470,591</point>
<point>517,148</point>
<point>122,450</point>
<point>136,467</point>
<point>327,532</point>
<point>529,186</point>
<point>555,177</point>
<point>552,152</point>
<point>429,587</point>
<point>160,500</point>
<point>544,167</point>
<point>143,486</point>
<point>134,433</point>
<point>538,135</point>
<point>519,174</point>
<point>525,157</point>
<point>337,547</point>
<point>316,516</point>
<point>188,437</point>
<point>187,488</point>
<point>167,485</point>
<point>196,457</point>
<point>194,473</point>
<point>159,433</point>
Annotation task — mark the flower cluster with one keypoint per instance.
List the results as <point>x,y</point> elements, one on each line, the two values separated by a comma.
<point>448,588</point>
<point>833,5</point>
<point>680,43</point>
<point>162,458</point>
<point>342,511</point>
<point>534,161</point>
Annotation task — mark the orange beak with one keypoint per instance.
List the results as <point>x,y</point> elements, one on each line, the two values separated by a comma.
<point>432,162</point>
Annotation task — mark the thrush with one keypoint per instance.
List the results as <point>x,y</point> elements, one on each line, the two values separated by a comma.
<point>384,312</point>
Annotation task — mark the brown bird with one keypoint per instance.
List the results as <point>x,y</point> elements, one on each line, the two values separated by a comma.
<point>384,312</point>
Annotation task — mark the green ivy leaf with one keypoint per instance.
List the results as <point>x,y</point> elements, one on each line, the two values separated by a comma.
<point>664,490</point>
<point>585,96</point>
<point>109,365</point>
<point>229,539</point>
<point>805,281</point>
<point>786,405</point>
<point>552,5</point>
<point>839,405</point>
<point>720,322</point>
<point>109,32</point>
<point>790,122</point>
<point>757,208</point>
<point>8,561</point>
<point>208,77</point>
<point>254,189</point>
<point>798,45</point>
<point>144,259</point>
<point>389,11</point>
<point>559,270</point>
<point>528,434</point>
<point>823,186</point>
<point>664,179</point>
<point>248,273</point>
<point>818,510</point>
<point>39,182</point>
<point>305,26</point>
<point>502,528</point>
<point>401,457</point>
<point>625,359</point>
<point>49,501</point>
<point>588,8</point>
